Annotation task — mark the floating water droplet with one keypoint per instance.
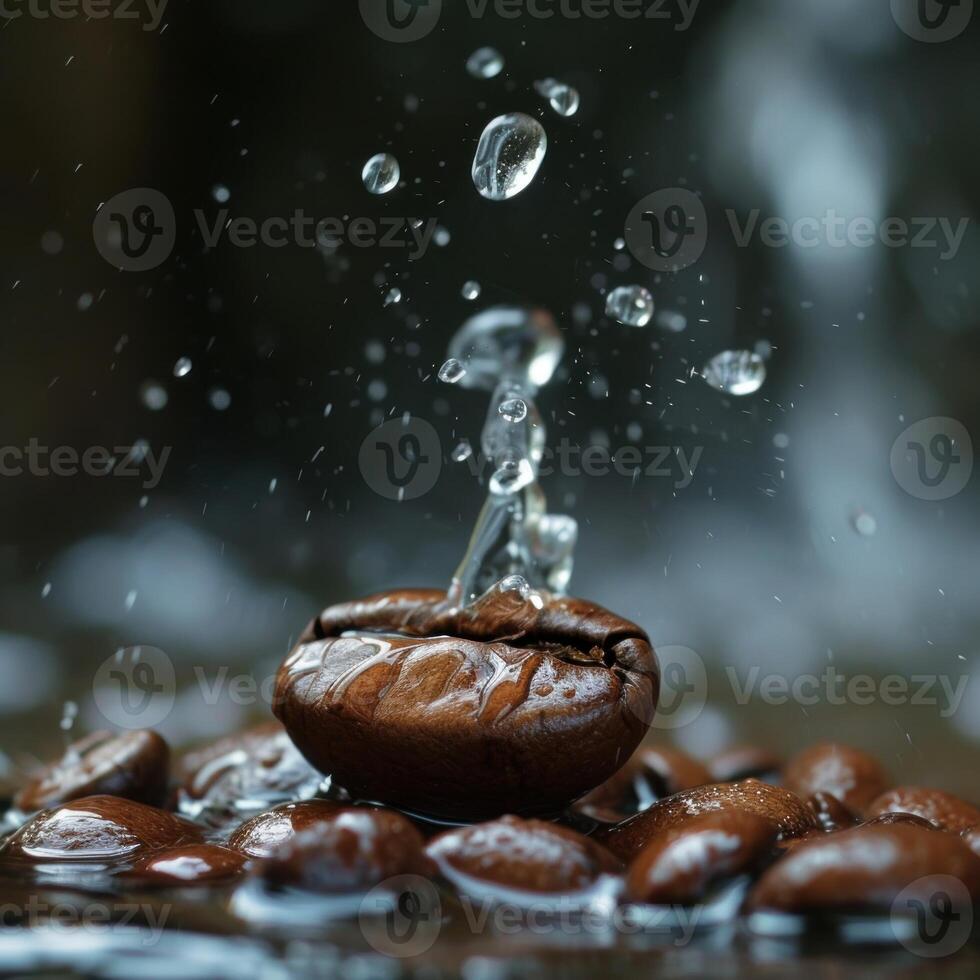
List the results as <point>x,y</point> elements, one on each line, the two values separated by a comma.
<point>513,410</point>
<point>381,173</point>
<point>485,63</point>
<point>865,524</point>
<point>508,156</point>
<point>183,367</point>
<point>561,97</point>
<point>154,396</point>
<point>672,321</point>
<point>69,713</point>
<point>632,305</point>
<point>511,342</point>
<point>471,290</point>
<point>221,193</point>
<point>736,372</point>
<point>393,296</point>
<point>442,237</point>
<point>219,399</point>
<point>46,591</point>
<point>452,372</point>
<point>462,452</point>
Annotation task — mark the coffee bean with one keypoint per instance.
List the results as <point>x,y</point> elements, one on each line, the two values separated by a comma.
<point>651,774</point>
<point>864,869</point>
<point>831,814</point>
<point>479,706</point>
<point>348,851</point>
<point>191,865</point>
<point>944,810</point>
<point>134,765</point>
<point>264,834</point>
<point>784,810</point>
<point>99,828</point>
<point>260,766</point>
<point>853,776</point>
<point>887,819</point>
<point>744,762</point>
<point>512,854</point>
<point>678,866</point>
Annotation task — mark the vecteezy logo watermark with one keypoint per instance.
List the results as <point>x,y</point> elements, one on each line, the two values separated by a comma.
<point>668,230</point>
<point>401,917</point>
<point>401,459</point>
<point>96,461</point>
<point>683,687</point>
<point>135,231</point>
<point>933,916</point>
<point>833,230</point>
<point>933,459</point>
<point>150,12</point>
<point>932,21</point>
<point>401,20</point>
<point>135,687</point>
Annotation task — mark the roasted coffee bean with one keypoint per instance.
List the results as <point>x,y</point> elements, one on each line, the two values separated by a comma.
<point>348,851</point>
<point>864,869</point>
<point>191,865</point>
<point>941,809</point>
<point>99,828</point>
<point>853,776</point>
<point>786,811</point>
<point>264,834</point>
<point>744,762</point>
<point>133,765</point>
<point>256,769</point>
<point>515,855</point>
<point>468,712</point>
<point>650,775</point>
<point>831,814</point>
<point>678,866</point>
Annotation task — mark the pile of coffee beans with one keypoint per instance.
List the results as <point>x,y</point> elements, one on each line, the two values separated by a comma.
<point>495,753</point>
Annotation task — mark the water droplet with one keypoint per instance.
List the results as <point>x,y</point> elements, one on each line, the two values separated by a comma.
<point>485,63</point>
<point>219,399</point>
<point>221,193</point>
<point>452,372</point>
<point>183,367</point>
<point>442,237</point>
<point>736,372</point>
<point>46,591</point>
<point>632,305</point>
<point>471,290</point>
<point>381,173</point>
<point>561,97</point>
<point>515,583</point>
<point>865,524</point>
<point>512,476</point>
<point>513,410</point>
<point>462,452</point>
<point>672,321</point>
<point>511,342</point>
<point>393,296</point>
<point>508,156</point>
<point>154,396</point>
<point>69,713</point>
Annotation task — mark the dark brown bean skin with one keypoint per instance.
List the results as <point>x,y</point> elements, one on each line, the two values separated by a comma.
<point>195,864</point>
<point>786,811</point>
<point>831,814</point>
<point>265,833</point>
<point>523,855</point>
<point>863,869</point>
<point>133,765</point>
<point>353,850</point>
<point>678,866</point>
<point>945,811</point>
<point>853,776</point>
<point>478,705</point>
<point>887,819</point>
<point>99,828</point>
<point>652,772</point>
<point>744,762</point>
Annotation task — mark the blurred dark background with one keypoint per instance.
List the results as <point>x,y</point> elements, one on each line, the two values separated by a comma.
<point>792,548</point>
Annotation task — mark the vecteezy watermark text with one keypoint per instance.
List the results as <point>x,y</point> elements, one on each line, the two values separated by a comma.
<point>97,461</point>
<point>98,917</point>
<point>150,12</point>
